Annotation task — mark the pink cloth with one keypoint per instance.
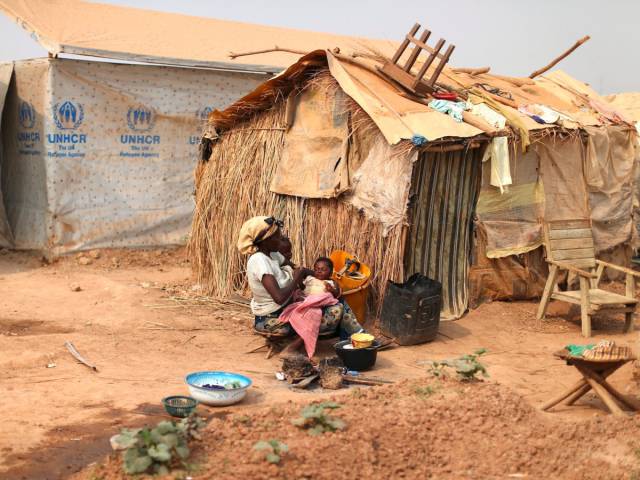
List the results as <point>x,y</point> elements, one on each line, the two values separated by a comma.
<point>305,318</point>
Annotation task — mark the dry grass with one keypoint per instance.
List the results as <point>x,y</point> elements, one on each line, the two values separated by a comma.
<point>234,186</point>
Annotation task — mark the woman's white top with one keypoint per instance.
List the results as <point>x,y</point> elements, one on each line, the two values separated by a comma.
<point>259,265</point>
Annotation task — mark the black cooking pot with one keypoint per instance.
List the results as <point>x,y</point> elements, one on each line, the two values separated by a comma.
<point>358,359</point>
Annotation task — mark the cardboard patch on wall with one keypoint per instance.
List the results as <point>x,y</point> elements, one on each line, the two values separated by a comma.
<point>314,159</point>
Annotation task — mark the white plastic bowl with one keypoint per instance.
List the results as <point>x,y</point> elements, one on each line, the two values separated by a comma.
<point>217,397</point>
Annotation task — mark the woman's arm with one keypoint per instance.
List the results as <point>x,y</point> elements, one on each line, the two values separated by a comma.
<point>281,294</point>
<point>333,289</point>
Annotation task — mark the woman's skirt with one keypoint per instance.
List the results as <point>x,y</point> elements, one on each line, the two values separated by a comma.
<point>336,319</point>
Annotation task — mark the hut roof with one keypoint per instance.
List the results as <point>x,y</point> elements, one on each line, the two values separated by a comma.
<point>133,34</point>
<point>628,102</point>
<point>400,116</point>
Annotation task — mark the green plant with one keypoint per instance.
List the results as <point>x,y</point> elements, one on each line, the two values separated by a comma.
<point>425,392</point>
<point>357,392</point>
<point>159,449</point>
<point>273,449</point>
<point>244,419</point>
<point>314,418</point>
<point>467,367</point>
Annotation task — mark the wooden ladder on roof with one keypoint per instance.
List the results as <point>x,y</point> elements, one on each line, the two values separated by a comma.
<point>401,74</point>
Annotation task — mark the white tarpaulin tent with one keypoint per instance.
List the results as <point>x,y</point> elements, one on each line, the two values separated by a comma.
<point>123,33</point>
<point>100,154</point>
<point>6,239</point>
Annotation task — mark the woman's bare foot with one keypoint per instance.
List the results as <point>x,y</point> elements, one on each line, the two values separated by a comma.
<point>292,348</point>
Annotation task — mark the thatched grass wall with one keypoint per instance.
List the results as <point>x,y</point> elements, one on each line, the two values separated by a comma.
<point>234,186</point>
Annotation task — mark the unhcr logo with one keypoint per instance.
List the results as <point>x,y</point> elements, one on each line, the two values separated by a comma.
<point>203,113</point>
<point>141,118</point>
<point>68,115</point>
<point>26,115</point>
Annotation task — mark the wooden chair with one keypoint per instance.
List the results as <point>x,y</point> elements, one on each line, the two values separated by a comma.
<point>569,246</point>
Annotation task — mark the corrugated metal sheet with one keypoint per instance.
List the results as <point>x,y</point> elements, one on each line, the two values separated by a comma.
<point>445,188</point>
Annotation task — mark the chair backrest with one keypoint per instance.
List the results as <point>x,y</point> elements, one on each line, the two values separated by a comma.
<point>570,241</point>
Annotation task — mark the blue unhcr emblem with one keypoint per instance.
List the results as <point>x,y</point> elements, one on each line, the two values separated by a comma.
<point>68,116</point>
<point>141,118</point>
<point>203,113</point>
<point>26,115</point>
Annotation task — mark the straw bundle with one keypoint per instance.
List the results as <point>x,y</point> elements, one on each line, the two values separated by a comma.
<point>234,186</point>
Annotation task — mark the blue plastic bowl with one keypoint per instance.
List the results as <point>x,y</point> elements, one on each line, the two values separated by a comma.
<point>219,396</point>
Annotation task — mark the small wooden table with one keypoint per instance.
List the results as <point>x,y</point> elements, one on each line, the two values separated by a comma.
<point>594,377</point>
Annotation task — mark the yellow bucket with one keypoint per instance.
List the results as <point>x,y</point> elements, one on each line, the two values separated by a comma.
<point>362,340</point>
<point>353,277</point>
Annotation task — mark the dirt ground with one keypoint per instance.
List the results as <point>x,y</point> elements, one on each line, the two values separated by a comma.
<point>138,317</point>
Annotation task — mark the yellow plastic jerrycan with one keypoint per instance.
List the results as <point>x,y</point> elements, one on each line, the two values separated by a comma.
<point>353,277</point>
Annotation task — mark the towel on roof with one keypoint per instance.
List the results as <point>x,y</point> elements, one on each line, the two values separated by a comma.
<point>305,318</point>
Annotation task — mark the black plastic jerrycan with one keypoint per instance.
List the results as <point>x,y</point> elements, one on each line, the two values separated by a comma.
<point>411,310</point>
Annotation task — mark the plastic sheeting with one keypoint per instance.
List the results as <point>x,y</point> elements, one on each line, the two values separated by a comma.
<point>611,154</point>
<point>512,221</point>
<point>6,71</point>
<point>445,189</point>
<point>102,155</point>
<point>133,34</point>
<point>314,158</point>
<point>514,277</point>
<point>380,179</point>
<point>24,177</point>
<point>562,172</point>
<point>396,116</point>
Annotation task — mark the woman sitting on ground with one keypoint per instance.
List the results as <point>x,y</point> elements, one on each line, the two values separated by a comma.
<point>273,280</point>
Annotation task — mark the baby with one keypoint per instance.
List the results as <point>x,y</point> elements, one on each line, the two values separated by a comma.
<point>321,281</point>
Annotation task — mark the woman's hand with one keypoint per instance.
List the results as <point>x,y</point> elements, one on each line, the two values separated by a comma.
<point>336,291</point>
<point>298,296</point>
<point>299,274</point>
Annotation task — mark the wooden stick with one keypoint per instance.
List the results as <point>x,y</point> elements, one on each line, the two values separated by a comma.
<point>77,356</point>
<point>517,81</point>
<point>552,403</point>
<point>452,148</point>
<point>276,48</point>
<point>627,402</point>
<point>601,391</point>
<point>364,381</point>
<point>479,123</point>
<point>290,111</point>
<point>472,71</point>
<point>370,56</point>
<point>630,271</point>
<point>561,57</point>
<point>306,382</point>
<point>578,395</point>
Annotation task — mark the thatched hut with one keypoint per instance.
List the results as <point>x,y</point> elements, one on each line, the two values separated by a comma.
<point>349,160</point>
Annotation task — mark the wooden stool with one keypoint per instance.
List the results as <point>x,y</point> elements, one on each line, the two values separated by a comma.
<point>272,342</point>
<point>594,377</point>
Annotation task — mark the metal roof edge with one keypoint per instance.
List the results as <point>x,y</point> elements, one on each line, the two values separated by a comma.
<point>169,61</point>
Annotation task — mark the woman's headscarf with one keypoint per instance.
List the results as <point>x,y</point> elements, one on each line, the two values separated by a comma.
<point>254,231</point>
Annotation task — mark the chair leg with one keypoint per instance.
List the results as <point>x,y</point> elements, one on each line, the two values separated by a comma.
<point>584,307</point>
<point>628,322</point>
<point>546,294</point>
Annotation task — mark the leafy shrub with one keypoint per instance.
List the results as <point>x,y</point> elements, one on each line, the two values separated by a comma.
<point>273,449</point>
<point>425,392</point>
<point>467,367</point>
<point>159,449</point>
<point>314,418</point>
